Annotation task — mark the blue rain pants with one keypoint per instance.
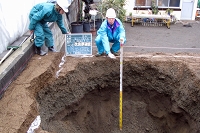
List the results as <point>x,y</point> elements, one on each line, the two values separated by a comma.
<point>43,35</point>
<point>39,15</point>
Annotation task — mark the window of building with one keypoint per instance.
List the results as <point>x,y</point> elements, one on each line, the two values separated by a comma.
<point>160,3</point>
<point>143,3</point>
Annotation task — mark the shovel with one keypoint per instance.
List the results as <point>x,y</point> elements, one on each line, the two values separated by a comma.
<point>12,48</point>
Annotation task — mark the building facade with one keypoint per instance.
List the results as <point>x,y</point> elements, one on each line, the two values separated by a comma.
<point>182,9</point>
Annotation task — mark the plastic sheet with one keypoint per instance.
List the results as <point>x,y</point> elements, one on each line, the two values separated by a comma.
<point>35,124</point>
<point>14,20</point>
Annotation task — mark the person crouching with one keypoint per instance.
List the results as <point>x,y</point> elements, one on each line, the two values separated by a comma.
<point>110,31</point>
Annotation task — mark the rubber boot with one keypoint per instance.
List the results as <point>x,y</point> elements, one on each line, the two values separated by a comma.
<point>39,51</point>
<point>52,49</point>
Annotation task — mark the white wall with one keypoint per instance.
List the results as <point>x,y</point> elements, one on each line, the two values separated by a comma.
<point>129,6</point>
<point>195,9</point>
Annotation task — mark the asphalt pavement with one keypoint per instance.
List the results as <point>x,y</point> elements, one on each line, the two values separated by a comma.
<point>160,39</point>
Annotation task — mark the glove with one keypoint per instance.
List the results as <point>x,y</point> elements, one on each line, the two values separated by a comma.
<point>121,40</point>
<point>68,32</point>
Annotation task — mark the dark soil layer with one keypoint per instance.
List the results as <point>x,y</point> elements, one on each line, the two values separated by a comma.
<point>160,95</point>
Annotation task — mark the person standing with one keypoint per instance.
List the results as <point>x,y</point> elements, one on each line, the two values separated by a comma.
<point>110,31</point>
<point>42,13</point>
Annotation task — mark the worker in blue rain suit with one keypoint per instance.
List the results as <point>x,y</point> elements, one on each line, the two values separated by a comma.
<point>111,31</point>
<point>39,15</point>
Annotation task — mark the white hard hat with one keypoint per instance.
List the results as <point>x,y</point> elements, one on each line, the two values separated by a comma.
<point>63,4</point>
<point>110,13</point>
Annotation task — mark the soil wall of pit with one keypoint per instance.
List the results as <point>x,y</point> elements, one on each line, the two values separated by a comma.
<point>160,94</point>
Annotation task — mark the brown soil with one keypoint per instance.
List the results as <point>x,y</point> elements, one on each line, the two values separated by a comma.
<point>161,94</point>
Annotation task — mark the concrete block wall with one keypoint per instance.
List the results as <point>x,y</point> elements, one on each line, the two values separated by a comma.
<point>59,38</point>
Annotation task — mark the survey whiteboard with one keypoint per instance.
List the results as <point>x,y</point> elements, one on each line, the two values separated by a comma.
<point>78,44</point>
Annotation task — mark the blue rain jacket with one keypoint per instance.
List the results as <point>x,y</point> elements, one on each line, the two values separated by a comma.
<point>107,34</point>
<point>39,15</point>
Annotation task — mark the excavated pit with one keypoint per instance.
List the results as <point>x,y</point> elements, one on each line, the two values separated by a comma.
<point>159,96</point>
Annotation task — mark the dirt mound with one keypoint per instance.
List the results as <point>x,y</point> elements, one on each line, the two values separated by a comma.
<point>160,94</point>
